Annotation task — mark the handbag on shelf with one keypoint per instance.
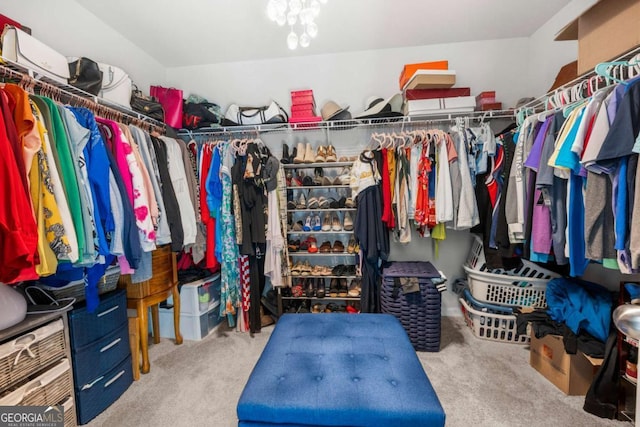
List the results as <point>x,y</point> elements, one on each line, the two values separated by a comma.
<point>31,53</point>
<point>85,74</point>
<point>197,115</point>
<point>171,100</point>
<point>269,114</point>
<point>116,85</point>
<point>147,105</point>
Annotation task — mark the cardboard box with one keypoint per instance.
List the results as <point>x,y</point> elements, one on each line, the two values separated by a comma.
<point>604,32</point>
<point>409,69</point>
<point>571,373</point>
<point>431,79</point>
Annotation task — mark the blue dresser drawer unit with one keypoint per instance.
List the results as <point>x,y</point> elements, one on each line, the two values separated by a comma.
<point>105,388</point>
<point>100,356</point>
<point>86,328</point>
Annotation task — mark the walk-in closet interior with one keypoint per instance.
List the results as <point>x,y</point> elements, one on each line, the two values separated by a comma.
<point>319,213</point>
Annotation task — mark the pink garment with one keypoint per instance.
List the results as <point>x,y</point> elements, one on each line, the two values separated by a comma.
<point>118,150</point>
<point>541,234</point>
<point>133,182</point>
<point>151,196</point>
<point>141,207</point>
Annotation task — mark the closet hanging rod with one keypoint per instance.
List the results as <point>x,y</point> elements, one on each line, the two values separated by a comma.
<point>540,102</point>
<point>354,123</point>
<point>72,95</point>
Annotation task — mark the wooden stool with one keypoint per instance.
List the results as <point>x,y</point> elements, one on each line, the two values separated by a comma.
<point>150,293</point>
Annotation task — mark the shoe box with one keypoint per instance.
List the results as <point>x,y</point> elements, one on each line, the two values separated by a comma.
<point>199,310</point>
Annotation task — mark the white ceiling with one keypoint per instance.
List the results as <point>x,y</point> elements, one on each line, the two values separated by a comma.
<point>193,32</point>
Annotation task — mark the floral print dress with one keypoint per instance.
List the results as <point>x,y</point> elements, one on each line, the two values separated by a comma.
<point>230,272</point>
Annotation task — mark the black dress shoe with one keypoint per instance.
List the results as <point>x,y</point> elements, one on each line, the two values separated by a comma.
<point>286,158</point>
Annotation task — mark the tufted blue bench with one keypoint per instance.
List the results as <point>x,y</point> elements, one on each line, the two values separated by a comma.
<point>339,370</point>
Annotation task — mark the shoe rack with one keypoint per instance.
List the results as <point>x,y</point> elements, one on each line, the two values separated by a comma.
<point>322,252</point>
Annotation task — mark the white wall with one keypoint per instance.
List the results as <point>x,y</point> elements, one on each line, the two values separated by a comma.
<point>350,78</point>
<point>70,29</point>
<point>547,56</point>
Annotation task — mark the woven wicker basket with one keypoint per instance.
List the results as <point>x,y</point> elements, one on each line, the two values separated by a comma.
<point>75,289</point>
<point>418,312</point>
<point>69,412</point>
<point>49,388</point>
<point>30,353</point>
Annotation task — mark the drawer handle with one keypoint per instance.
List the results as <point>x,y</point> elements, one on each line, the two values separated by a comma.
<point>112,380</point>
<point>33,386</point>
<point>88,386</point>
<point>109,311</point>
<point>25,343</point>
<point>107,347</point>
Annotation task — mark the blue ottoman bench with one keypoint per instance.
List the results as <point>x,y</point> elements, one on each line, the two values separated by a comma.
<point>339,370</point>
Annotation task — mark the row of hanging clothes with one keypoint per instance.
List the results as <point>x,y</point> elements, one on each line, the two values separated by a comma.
<point>82,191</point>
<point>432,179</point>
<point>242,190</point>
<point>573,184</point>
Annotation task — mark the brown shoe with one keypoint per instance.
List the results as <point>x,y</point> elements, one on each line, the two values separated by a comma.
<point>325,247</point>
<point>337,246</point>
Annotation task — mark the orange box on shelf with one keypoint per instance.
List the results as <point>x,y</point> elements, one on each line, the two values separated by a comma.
<point>410,69</point>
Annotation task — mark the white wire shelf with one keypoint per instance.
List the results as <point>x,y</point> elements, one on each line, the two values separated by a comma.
<point>344,125</point>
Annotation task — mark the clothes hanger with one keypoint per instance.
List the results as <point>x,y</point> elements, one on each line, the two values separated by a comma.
<point>608,70</point>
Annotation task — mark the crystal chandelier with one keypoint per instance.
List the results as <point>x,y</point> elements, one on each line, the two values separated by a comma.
<point>300,16</point>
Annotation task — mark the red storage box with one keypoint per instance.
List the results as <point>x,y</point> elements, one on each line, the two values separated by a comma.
<point>301,97</point>
<point>305,92</point>
<point>489,107</point>
<point>415,94</point>
<point>487,97</point>
<point>303,110</point>
<point>305,119</point>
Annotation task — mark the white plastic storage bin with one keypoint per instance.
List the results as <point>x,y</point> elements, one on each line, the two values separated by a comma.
<point>523,287</point>
<point>192,328</point>
<point>199,308</point>
<point>199,297</point>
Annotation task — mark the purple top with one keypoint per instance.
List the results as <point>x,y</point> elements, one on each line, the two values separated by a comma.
<point>533,161</point>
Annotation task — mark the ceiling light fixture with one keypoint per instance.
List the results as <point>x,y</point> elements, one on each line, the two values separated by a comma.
<point>296,13</point>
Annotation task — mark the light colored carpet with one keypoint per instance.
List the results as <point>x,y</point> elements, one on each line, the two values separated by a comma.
<point>480,383</point>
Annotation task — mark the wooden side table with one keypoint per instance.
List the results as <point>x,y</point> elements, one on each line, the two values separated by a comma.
<point>150,293</point>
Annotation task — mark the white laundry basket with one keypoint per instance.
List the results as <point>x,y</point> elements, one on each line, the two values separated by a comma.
<point>524,286</point>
